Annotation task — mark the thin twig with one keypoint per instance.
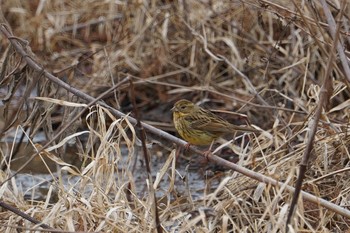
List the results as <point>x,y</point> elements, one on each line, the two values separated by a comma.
<point>142,135</point>
<point>324,98</point>
<point>25,216</point>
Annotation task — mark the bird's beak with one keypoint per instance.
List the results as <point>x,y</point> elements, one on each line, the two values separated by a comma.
<point>173,109</point>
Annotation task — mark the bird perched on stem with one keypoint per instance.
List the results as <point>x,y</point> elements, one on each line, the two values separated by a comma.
<point>199,126</point>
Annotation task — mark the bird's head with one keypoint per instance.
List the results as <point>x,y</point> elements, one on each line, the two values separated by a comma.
<point>183,107</point>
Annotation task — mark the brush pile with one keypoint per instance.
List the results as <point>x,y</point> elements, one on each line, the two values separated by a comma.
<point>283,64</point>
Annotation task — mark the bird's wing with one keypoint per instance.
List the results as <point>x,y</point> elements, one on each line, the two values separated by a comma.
<point>207,121</point>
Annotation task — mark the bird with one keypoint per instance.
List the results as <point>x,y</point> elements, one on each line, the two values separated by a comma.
<point>201,127</point>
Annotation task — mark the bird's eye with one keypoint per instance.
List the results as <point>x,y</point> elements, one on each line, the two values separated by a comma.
<point>183,107</point>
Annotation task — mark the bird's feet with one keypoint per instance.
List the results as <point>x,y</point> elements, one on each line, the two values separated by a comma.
<point>206,154</point>
<point>180,150</point>
<point>187,147</point>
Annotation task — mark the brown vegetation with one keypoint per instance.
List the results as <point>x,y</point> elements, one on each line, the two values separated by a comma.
<point>285,64</point>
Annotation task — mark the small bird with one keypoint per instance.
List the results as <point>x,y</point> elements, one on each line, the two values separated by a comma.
<point>199,126</point>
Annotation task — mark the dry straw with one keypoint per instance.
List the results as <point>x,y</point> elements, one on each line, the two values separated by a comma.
<point>266,59</point>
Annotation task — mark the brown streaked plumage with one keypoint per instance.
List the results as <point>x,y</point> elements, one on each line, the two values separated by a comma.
<point>199,126</point>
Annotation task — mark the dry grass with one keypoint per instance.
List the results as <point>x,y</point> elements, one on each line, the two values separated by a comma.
<point>266,59</point>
